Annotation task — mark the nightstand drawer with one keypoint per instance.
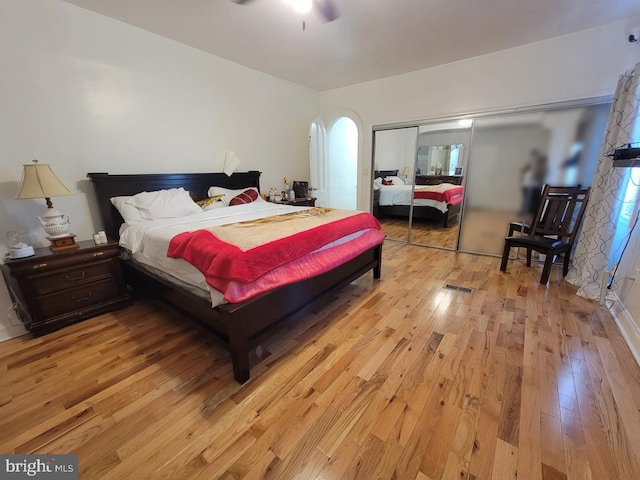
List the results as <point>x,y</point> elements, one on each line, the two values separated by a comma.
<point>78,298</point>
<point>72,276</point>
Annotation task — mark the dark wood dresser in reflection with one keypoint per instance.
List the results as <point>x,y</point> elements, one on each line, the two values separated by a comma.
<point>438,179</point>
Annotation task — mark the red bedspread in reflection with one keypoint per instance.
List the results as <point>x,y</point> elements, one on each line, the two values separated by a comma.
<point>449,193</point>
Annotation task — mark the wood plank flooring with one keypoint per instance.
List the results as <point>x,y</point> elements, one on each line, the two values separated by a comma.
<point>423,232</point>
<point>392,379</point>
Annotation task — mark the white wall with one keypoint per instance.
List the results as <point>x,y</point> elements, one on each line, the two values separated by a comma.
<point>87,93</point>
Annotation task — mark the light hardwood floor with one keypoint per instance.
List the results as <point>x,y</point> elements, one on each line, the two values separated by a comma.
<point>397,378</point>
<point>422,232</point>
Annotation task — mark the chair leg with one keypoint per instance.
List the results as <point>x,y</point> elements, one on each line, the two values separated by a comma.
<point>546,270</point>
<point>565,265</point>
<point>505,256</point>
<point>528,257</point>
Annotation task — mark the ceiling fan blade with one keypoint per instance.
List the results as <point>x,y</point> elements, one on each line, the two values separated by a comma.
<point>242,2</point>
<point>327,9</point>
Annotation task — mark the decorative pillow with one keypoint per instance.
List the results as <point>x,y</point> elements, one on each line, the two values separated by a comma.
<point>211,202</point>
<point>171,203</point>
<point>130,213</point>
<point>248,196</point>
<point>387,182</point>
<point>228,193</point>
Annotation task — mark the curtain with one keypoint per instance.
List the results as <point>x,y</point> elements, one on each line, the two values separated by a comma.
<point>593,251</point>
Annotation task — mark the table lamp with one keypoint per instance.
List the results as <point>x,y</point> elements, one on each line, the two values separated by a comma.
<point>39,181</point>
<point>406,172</point>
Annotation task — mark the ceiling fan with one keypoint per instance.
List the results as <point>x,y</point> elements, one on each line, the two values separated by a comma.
<point>325,7</point>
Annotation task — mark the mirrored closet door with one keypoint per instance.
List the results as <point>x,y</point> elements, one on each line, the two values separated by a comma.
<point>439,183</point>
<point>394,159</point>
<point>457,184</point>
<point>513,155</point>
<point>418,182</point>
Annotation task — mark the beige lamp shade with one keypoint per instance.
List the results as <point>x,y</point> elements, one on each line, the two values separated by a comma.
<point>406,171</point>
<point>39,181</point>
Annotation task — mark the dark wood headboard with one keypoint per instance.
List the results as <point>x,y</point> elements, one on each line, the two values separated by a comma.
<point>107,186</point>
<point>385,173</point>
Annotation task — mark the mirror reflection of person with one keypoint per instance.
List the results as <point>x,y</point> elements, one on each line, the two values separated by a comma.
<point>533,174</point>
<point>571,165</point>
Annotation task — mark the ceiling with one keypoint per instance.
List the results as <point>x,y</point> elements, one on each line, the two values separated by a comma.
<point>371,39</point>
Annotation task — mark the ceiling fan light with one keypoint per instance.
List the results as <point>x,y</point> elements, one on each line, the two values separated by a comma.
<point>301,6</point>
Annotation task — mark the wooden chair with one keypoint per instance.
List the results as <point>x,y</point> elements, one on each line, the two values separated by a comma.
<point>553,229</point>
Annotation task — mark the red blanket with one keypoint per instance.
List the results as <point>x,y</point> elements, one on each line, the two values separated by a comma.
<point>315,263</point>
<point>451,195</point>
<point>220,261</point>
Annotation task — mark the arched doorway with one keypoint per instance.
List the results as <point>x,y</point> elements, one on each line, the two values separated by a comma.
<point>343,164</point>
<point>317,162</point>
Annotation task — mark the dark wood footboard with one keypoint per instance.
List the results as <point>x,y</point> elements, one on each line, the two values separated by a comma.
<point>241,327</point>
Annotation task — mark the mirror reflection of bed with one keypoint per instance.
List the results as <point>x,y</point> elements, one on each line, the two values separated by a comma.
<point>421,209</point>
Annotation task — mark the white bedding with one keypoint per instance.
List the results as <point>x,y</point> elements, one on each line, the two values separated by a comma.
<point>147,242</point>
<point>401,195</point>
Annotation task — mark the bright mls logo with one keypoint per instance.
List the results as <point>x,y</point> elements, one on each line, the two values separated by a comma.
<point>51,467</point>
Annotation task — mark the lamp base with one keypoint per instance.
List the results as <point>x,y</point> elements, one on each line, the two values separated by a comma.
<point>59,244</point>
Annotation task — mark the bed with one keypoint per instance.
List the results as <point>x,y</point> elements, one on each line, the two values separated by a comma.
<point>440,201</point>
<point>241,326</point>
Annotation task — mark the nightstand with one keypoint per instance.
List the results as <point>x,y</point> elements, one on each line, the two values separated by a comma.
<point>303,202</point>
<point>60,288</point>
<point>299,202</point>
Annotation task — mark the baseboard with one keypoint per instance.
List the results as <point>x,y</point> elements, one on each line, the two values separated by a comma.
<point>7,332</point>
<point>626,324</point>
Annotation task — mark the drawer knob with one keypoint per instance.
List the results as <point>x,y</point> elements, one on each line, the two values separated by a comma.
<point>74,278</point>
<point>82,299</point>
<point>98,254</point>
<point>40,265</point>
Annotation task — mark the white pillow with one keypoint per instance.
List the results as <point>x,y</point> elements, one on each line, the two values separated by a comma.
<point>171,203</point>
<point>130,213</point>
<point>396,180</point>
<point>377,181</point>
<point>214,205</point>
<point>228,193</point>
